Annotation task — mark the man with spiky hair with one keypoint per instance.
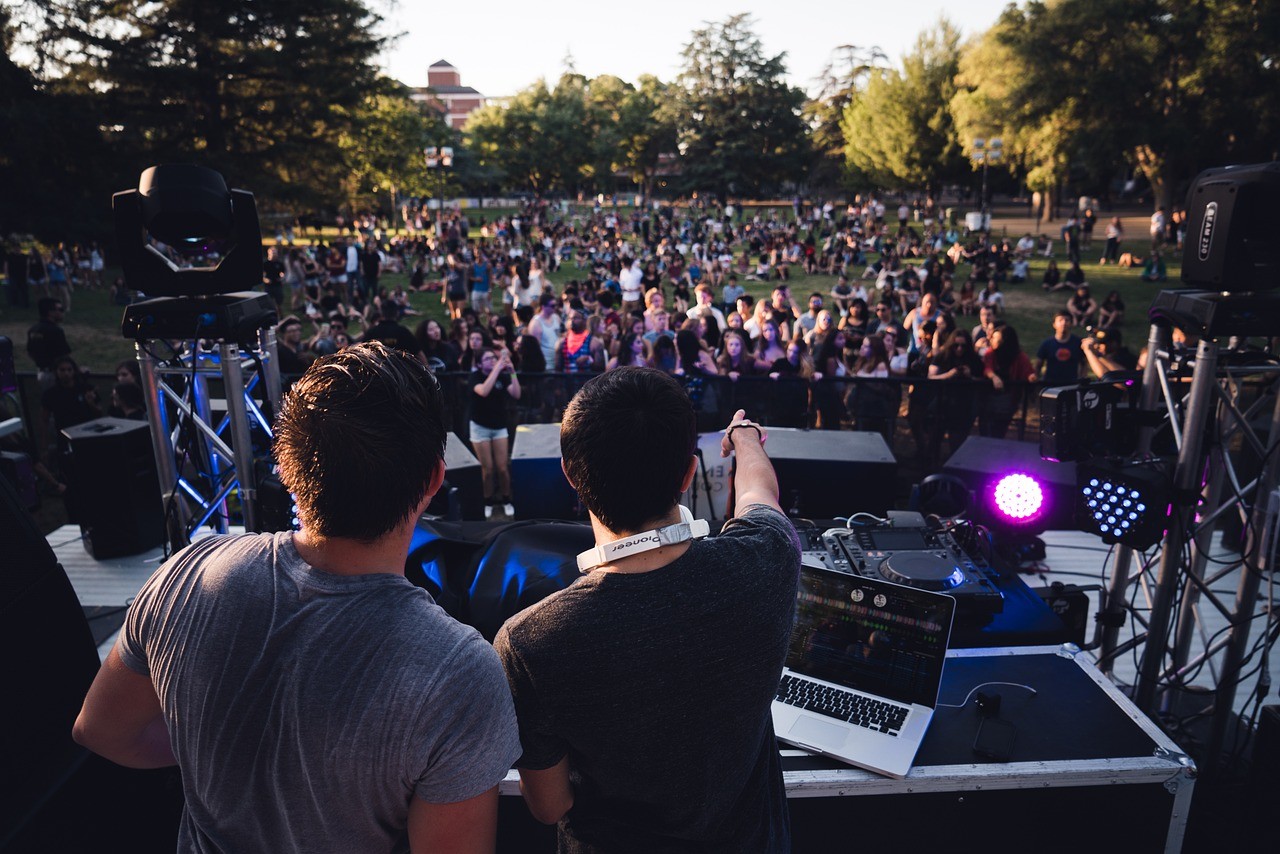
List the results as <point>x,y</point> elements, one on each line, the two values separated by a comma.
<point>311,696</point>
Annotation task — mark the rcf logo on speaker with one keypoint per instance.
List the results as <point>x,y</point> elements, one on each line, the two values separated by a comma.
<point>1206,229</point>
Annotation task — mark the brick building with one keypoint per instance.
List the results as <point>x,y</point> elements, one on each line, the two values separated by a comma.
<point>445,93</point>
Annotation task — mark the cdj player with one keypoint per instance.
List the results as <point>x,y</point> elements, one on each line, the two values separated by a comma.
<point>907,551</point>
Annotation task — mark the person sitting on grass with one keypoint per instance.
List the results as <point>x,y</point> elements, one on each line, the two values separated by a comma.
<point>1153,269</point>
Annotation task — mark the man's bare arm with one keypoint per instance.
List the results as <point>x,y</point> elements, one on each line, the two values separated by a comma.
<point>465,827</point>
<point>548,793</point>
<point>754,480</point>
<point>121,718</point>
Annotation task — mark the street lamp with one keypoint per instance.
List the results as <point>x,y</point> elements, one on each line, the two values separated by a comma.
<point>439,159</point>
<point>986,151</point>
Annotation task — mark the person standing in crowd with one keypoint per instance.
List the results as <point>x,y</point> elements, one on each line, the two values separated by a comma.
<point>388,329</point>
<point>1105,352</point>
<point>481,283</point>
<point>579,350</point>
<point>1059,359</point>
<point>307,691</point>
<point>493,383</point>
<point>455,290</point>
<point>289,346</point>
<point>1010,372</point>
<point>547,326</point>
<point>659,737</point>
<point>71,400</point>
<point>46,341</point>
<point>1114,234</point>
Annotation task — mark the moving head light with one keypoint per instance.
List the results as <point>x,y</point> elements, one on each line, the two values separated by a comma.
<point>1232,221</point>
<point>184,233</point>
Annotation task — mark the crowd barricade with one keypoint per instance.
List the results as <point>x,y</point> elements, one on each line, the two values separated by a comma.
<point>921,420</point>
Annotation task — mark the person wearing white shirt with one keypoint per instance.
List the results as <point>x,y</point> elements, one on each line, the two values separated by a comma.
<point>629,280</point>
<point>704,307</point>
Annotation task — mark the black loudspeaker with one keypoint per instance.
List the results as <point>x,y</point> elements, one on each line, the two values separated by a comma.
<point>20,471</point>
<point>54,659</point>
<point>113,492</point>
<point>461,496</point>
<point>539,489</point>
<point>982,462</point>
<point>823,474</point>
<point>1232,222</point>
<point>8,375</point>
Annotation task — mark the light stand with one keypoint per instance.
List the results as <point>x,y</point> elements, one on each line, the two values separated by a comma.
<point>1205,421</point>
<point>985,152</point>
<point>438,159</point>
<point>181,216</point>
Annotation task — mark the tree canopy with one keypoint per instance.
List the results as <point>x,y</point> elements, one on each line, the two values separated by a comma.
<point>740,129</point>
<point>286,99</point>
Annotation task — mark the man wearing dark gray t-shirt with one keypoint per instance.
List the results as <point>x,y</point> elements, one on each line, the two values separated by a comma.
<point>312,697</point>
<point>643,690</point>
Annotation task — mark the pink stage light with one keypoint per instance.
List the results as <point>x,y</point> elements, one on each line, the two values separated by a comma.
<point>1018,497</point>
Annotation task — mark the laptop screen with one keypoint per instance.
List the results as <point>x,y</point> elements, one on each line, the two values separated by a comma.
<point>877,637</point>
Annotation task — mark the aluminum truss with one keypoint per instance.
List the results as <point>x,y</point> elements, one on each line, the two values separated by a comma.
<point>1209,418</point>
<point>204,418</point>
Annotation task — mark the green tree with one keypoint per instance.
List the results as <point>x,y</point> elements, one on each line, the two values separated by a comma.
<point>1173,87</point>
<point>899,130</point>
<point>540,140</point>
<point>383,150</point>
<point>843,77</point>
<point>740,122</point>
<point>262,91</point>
<point>54,164</point>
<point>631,128</point>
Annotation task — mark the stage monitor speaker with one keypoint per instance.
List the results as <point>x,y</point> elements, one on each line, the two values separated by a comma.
<point>823,474</point>
<point>461,496</point>
<point>981,462</point>
<point>539,489</point>
<point>1232,223</point>
<point>113,491</point>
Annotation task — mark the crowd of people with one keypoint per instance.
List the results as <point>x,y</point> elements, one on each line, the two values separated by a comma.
<point>666,288</point>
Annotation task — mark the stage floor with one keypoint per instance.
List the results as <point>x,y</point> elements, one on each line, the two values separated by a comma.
<point>106,587</point>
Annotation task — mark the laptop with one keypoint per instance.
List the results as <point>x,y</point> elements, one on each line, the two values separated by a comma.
<point>863,669</point>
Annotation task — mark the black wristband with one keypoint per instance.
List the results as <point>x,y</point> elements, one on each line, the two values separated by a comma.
<point>729,432</point>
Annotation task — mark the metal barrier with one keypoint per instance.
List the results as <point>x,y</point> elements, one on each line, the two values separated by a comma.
<point>922,420</point>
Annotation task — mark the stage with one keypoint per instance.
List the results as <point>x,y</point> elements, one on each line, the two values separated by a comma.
<point>1151,784</point>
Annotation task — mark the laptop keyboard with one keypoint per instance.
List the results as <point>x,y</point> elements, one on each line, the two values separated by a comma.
<point>842,705</point>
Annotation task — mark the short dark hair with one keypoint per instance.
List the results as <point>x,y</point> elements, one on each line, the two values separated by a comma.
<point>634,408</point>
<point>358,439</point>
<point>48,304</point>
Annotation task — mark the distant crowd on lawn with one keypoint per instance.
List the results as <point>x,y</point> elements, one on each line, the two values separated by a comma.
<point>665,287</point>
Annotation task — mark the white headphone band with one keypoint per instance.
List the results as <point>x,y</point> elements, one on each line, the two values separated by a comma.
<point>688,528</point>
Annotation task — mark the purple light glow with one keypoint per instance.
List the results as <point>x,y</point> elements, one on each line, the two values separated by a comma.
<point>1019,497</point>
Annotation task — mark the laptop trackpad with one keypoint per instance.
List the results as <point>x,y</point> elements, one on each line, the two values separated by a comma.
<point>811,730</point>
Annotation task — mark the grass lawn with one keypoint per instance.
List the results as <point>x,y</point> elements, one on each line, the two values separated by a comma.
<point>93,324</point>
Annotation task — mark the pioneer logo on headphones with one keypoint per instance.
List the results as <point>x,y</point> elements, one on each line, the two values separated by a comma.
<point>1206,229</point>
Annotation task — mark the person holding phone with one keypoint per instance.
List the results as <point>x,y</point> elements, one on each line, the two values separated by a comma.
<point>493,384</point>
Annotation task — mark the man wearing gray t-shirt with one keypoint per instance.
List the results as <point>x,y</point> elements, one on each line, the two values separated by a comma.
<point>643,689</point>
<point>311,696</point>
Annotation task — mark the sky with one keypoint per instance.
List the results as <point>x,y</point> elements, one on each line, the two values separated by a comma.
<point>502,46</point>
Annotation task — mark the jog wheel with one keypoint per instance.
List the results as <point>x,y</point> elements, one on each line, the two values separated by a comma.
<point>925,570</point>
